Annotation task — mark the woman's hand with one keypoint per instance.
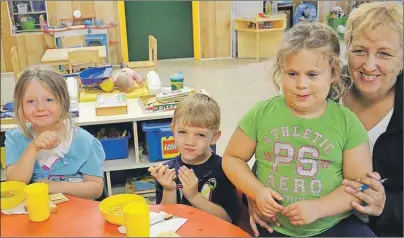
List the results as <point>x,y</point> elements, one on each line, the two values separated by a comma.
<point>373,197</point>
<point>256,217</point>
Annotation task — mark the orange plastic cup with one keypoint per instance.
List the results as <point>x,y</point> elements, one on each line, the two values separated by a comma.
<point>137,219</point>
<point>37,201</point>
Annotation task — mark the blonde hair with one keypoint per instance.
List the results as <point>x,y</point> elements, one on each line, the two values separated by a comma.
<point>198,110</point>
<point>48,77</point>
<point>369,16</point>
<point>310,35</point>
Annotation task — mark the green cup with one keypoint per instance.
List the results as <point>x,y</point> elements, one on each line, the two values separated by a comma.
<point>177,81</point>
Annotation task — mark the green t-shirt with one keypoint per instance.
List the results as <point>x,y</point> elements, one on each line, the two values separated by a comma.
<point>301,158</point>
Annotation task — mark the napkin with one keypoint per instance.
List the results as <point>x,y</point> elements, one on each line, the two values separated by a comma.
<point>170,225</point>
<point>20,209</point>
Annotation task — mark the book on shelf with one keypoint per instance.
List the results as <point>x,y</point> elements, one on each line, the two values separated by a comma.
<point>111,104</point>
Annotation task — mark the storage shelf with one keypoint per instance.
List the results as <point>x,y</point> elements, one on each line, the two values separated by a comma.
<point>128,163</point>
<point>28,13</point>
<point>260,30</point>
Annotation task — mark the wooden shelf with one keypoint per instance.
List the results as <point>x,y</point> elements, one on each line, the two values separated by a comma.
<point>260,30</point>
<point>29,13</point>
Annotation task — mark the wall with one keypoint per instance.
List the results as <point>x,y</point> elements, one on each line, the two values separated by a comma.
<point>215,28</point>
<point>32,46</point>
<point>244,9</point>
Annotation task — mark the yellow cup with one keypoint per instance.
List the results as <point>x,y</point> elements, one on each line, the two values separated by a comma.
<point>137,219</point>
<point>37,201</point>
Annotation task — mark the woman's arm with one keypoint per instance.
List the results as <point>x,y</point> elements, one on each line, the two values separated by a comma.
<point>91,187</point>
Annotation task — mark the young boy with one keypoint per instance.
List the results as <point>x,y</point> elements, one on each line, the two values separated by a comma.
<point>196,177</point>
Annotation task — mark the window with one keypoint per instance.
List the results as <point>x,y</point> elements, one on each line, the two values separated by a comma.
<point>26,16</point>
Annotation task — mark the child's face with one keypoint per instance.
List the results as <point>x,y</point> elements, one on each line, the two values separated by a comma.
<point>193,142</point>
<point>306,82</point>
<point>40,107</point>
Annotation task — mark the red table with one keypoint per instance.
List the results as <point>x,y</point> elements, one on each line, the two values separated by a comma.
<point>80,217</point>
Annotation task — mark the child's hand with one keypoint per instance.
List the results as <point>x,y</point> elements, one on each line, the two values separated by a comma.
<point>189,182</point>
<point>301,212</point>
<point>46,140</point>
<point>164,176</point>
<point>266,202</point>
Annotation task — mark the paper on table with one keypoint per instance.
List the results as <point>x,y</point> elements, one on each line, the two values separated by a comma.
<point>20,209</point>
<point>170,225</point>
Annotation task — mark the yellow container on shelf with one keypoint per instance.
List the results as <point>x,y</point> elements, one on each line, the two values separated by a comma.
<point>37,201</point>
<point>137,219</point>
<point>3,157</point>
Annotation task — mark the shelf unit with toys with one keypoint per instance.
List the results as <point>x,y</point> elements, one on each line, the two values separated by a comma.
<point>134,117</point>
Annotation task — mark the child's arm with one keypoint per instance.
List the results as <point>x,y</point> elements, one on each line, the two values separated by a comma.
<point>190,187</point>
<point>165,181</point>
<point>238,152</point>
<point>356,163</point>
<point>23,168</point>
<point>91,187</point>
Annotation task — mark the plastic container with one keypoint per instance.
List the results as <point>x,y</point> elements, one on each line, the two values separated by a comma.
<point>37,201</point>
<point>160,141</point>
<point>12,194</point>
<point>153,82</point>
<point>22,8</point>
<point>137,219</point>
<point>38,6</point>
<point>28,25</point>
<point>177,81</point>
<point>95,74</point>
<point>112,207</point>
<point>3,157</point>
<point>116,148</point>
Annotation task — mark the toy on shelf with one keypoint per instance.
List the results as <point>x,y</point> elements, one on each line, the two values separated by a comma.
<point>305,12</point>
<point>163,101</point>
<point>125,80</point>
<point>111,104</point>
<point>7,114</point>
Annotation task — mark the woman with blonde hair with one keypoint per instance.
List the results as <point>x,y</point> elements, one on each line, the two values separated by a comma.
<point>374,40</point>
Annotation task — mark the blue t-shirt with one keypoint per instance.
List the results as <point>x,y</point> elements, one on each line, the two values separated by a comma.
<point>86,156</point>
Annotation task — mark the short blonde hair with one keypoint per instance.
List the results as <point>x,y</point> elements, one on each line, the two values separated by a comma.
<point>53,80</point>
<point>198,110</point>
<point>311,35</point>
<point>369,16</point>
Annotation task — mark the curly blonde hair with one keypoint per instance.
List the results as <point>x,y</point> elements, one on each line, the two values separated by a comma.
<point>310,35</point>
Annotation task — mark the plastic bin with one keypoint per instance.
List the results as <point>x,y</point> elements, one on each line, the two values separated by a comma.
<point>116,148</point>
<point>160,141</point>
<point>38,6</point>
<point>95,74</point>
<point>22,8</point>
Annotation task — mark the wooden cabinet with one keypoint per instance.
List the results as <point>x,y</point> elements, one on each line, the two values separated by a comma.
<point>259,37</point>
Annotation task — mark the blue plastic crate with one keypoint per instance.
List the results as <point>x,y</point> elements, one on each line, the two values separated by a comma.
<point>160,141</point>
<point>95,74</point>
<point>116,148</point>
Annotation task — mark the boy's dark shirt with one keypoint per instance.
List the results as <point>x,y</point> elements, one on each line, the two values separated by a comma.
<point>213,184</point>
